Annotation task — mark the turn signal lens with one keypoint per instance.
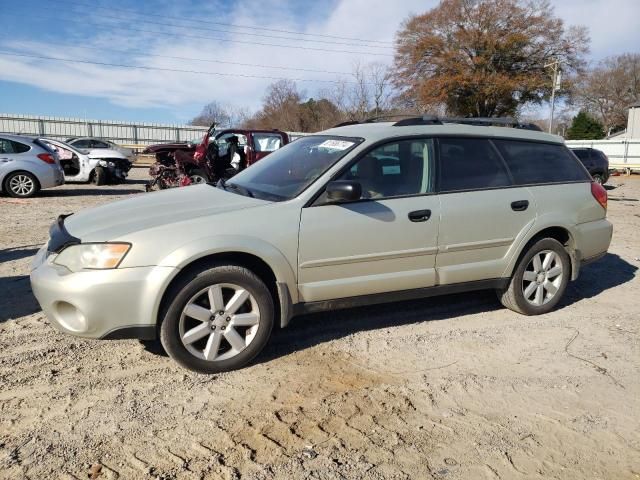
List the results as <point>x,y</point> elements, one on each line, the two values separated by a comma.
<point>599,193</point>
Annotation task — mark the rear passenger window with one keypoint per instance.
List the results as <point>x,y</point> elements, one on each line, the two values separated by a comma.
<point>470,164</point>
<point>540,162</point>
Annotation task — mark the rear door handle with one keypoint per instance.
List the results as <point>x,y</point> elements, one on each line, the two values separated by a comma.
<point>420,215</point>
<point>520,205</point>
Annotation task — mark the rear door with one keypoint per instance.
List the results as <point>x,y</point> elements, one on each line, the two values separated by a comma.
<point>484,215</point>
<point>385,242</point>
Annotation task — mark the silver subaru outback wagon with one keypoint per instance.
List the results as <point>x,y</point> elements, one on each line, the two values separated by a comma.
<point>358,214</point>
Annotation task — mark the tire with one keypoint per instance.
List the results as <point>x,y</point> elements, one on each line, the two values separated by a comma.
<point>198,176</point>
<point>598,178</point>
<point>99,176</point>
<point>21,185</point>
<point>525,280</point>
<point>251,319</point>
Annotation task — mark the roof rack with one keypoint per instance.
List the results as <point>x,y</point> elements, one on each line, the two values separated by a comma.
<point>346,124</point>
<point>374,119</point>
<point>478,121</point>
<point>415,119</point>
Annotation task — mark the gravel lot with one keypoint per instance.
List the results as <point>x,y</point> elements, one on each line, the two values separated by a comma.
<point>454,387</point>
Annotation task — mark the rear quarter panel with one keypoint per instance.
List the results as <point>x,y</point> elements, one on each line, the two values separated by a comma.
<point>572,207</point>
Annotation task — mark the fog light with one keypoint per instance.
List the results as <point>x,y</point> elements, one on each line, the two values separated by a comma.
<point>70,318</point>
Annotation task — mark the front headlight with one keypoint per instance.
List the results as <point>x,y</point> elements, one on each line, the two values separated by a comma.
<point>92,256</point>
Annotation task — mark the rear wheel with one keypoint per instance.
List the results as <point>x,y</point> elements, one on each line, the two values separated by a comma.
<point>598,178</point>
<point>21,185</point>
<point>540,279</point>
<point>219,320</point>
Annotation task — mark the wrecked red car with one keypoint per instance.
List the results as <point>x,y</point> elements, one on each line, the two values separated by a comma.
<point>181,164</point>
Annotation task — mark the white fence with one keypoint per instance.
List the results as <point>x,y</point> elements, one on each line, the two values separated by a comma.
<point>623,154</point>
<point>124,133</point>
<point>133,133</point>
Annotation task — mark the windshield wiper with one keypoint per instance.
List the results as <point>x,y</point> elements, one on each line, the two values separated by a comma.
<point>242,190</point>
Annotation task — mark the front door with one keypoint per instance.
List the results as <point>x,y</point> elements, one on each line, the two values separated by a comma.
<point>385,242</point>
<point>262,144</point>
<point>484,216</point>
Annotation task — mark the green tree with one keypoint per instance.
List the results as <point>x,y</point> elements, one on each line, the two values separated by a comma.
<point>585,127</point>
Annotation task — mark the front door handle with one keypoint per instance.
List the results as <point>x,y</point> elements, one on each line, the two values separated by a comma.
<point>520,205</point>
<point>420,215</point>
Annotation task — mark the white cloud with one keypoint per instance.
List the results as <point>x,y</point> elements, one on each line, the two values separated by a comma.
<point>611,25</point>
<point>139,88</point>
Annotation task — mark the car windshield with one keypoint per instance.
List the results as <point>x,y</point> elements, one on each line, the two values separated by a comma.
<point>287,172</point>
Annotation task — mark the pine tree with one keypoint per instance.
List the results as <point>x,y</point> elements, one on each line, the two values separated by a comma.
<point>585,127</point>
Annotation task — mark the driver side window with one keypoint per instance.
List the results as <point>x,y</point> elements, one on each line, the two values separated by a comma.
<point>394,169</point>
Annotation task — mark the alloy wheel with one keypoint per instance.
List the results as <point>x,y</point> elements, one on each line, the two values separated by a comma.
<point>197,179</point>
<point>219,322</point>
<point>542,278</point>
<point>22,185</point>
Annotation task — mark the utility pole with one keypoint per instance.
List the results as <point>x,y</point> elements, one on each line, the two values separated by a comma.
<point>557,79</point>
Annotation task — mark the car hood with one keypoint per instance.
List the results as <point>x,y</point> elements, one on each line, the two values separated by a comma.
<point>117,219</point>
<point>105,153</point>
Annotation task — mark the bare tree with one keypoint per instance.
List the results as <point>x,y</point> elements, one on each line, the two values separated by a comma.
<point>381,87</point>
<point>367,93</point>
<point>281,105</point>
<point>214,112</point>
<point>607,90</point>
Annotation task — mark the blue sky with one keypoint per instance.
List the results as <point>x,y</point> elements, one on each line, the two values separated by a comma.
<point>109,32</point>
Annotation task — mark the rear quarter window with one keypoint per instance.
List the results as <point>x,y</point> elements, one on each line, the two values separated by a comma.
<point>532,162</point>
<point>10,146</point>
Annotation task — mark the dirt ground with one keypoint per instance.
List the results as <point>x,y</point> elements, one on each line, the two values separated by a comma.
<point>454,387</point>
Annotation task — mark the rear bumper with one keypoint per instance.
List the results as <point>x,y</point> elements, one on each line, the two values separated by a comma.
<point>592,240</point>
<point>595,258</point>
<point>118,303</point>
<point>52,177</point>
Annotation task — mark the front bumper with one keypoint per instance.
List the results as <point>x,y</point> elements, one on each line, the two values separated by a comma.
<point>117,303</point>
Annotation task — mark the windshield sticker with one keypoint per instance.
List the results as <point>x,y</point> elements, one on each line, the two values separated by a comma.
<point>335,144</point>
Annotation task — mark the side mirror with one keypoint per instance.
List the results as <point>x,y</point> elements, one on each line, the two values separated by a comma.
<point>344,191</point>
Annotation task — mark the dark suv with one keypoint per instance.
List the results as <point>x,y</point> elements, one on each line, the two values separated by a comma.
<point>595,161</point>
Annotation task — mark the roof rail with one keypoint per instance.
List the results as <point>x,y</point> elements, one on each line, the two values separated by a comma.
<point>346,124</point>
<point>478,121</point>
<point>423,120</point>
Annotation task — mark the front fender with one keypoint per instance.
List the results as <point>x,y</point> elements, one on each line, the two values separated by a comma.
<point>204,247</point>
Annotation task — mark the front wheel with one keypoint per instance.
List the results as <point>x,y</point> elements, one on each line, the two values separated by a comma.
<point>539,280</point>
<point>219,320</point>
<point>99,176</point>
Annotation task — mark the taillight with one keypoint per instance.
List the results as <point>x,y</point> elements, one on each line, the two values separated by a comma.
<point>47,158</point>
<point>599,193</point>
